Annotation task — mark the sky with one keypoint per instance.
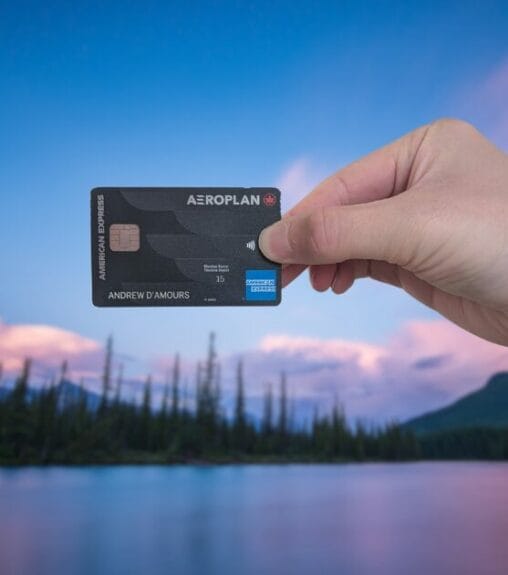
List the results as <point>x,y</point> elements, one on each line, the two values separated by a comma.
<point>231,94</point>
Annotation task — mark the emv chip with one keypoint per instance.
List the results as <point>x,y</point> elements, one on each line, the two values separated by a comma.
<point>124,237</point>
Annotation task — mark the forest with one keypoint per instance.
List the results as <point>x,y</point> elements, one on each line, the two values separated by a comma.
<point>49,426</point>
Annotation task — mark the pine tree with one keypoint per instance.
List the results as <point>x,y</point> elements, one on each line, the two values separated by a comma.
<point>199,408</point>
<point>359,441</point>
<point>165,399</point>
<point>44,426</point>
<point>119,385</point>
<point>339,432</point>
<point>283,412</point>
<point>64,408</point>
<point>175,389</point>
<point>208,381</point>
<point>106,375</point>
<point>217,392</point>
<point>49,415</point>
<point>17,422</point>
<point>239,418</point>
<point>267,420</point>
<point>161,431</point>
<point>116,414</point>
<point>146,416</point>
<point>82,409</point>
<point>63,372</point>
<point>207,416</point>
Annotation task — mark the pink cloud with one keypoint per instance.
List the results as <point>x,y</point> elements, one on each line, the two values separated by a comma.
<point>365,355</point>
<point>422,366</point>
<point>47,346</point>
<point>297,180</point>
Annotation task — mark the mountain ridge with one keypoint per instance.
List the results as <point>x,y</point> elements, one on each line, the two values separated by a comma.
<point>486,407</point>
<point>68,390</point>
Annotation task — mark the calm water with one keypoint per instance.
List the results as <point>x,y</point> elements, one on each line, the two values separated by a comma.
<point>421,519</point>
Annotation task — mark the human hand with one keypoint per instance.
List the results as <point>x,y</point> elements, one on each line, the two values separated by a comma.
<point>427,213</point>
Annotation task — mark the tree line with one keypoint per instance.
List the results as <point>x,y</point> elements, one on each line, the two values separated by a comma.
<point>51,426</point>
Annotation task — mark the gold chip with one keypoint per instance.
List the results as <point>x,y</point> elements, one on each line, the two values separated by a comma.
<point>124,238</point>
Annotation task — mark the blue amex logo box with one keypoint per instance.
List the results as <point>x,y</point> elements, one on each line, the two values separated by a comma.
<point>260,285</point>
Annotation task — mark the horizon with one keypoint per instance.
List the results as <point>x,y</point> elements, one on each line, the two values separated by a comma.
<point>273,96</point>
<point>302,407</point>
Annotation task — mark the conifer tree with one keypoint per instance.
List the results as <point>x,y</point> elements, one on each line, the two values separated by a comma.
<point>283,410</point>
<point>17,423</point>
<point>217,392</point>
<point>199,408</point>
<point>43,427</point>
<point>63,372</point>
<point>164,409</point>
<point>49,421</point>
<point>119,385</point>
<point>239,417</point>
<point>267,420</point>
<point>146,416</point>
<point>82,408</point>
<point>175,389</point>
<point>339,432</point>
<point>207,396</point>
<point>162,420</point>
<point>106,375</point>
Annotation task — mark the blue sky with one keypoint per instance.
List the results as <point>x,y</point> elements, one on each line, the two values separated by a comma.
<point>222,93</point>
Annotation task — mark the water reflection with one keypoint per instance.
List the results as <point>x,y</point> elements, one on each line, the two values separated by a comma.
<point>383,519</point>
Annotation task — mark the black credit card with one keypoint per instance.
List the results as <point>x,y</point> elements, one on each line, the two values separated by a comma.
<point>183,247</point>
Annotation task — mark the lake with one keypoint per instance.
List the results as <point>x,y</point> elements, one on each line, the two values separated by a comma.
<point>418,519</point>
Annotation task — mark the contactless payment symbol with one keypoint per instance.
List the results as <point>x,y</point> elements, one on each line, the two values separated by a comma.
<point>269,200</point>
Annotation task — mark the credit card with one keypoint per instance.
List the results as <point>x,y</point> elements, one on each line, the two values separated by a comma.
<point>183,247</point>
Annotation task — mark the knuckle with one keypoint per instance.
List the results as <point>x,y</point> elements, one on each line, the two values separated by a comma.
<point>423,233</point>
<point>455,126</point>
<point>321,232</point>
<point>292,235</point>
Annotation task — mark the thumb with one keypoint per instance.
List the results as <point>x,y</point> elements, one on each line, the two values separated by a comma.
<point>379,230</point>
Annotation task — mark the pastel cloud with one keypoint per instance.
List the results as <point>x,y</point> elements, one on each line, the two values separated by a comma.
<point>297,180</point>
<point>424,365</point>
<point>364,355</point>
<point>47,346</point>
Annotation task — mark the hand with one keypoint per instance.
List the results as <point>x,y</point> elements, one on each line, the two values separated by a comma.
<point>427,213</point>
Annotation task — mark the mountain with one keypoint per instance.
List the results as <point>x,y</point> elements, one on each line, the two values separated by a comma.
<point>69,392</point>
<point>487,407</point>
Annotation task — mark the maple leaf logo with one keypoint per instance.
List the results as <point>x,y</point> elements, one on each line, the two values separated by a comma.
<point>269,200</point>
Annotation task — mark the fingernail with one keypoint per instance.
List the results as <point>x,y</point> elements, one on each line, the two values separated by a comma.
<point>273,242</point>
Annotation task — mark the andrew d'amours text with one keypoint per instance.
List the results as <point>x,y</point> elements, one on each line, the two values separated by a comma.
<point>101,237</point>
<point>149,295</point>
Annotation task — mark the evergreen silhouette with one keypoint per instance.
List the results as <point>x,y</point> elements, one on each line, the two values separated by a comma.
<point>239,430</point>
<point>106,374</point>
<point>59,423</point>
